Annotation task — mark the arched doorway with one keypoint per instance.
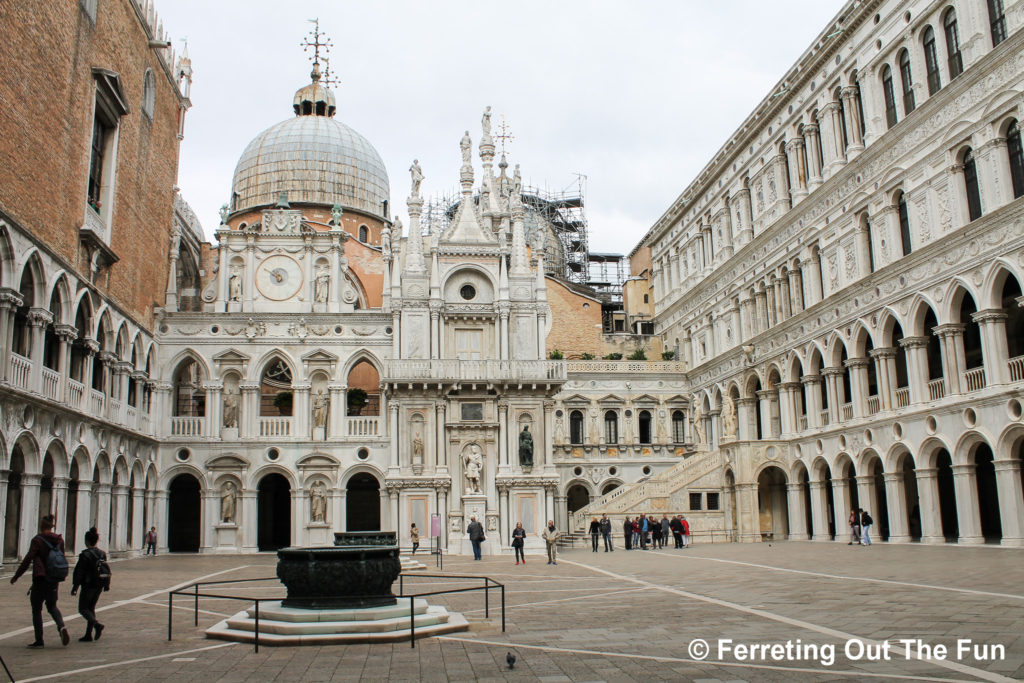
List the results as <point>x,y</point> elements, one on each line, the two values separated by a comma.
<point>881,512</point>
<point>274,512</point>
<point>576,497</point>
<point>362,503</point>
<point>909,472</point>
<point>772,505</point>
<point>803,480</point>
<point>988,496</point>
<point>183,514</point>
<point>12,518</point>
<point>609,487</point>
<point>947,496</point>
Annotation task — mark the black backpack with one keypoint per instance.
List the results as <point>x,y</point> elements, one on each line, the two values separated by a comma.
<point>866,520</point>
<point>56,564</point>
<point>100,574</point>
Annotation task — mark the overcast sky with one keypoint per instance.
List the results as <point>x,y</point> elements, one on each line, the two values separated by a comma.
<point>635,96</point>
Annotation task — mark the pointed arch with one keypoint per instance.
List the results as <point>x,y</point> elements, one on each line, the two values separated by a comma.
<point>6,258</point>
<point>32,267</point>
<point>955,291</point>
<point>60,294</point>
<point>991,294</point>
<point>277,353</point>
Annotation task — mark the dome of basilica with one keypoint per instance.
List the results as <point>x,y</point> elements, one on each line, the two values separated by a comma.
<point>314,158</point>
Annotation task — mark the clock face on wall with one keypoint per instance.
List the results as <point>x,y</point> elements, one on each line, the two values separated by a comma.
<point>279,278</point>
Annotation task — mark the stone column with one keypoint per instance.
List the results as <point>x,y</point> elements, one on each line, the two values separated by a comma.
<point>746,319</point>
<point>250,520</point>
<point>83,507</point>
<point>503,437</point>
<point>764,406</point>
<point>746,426</point>
<point>138,502</point>
<point>746,220</point>
<point>160,520</point>
<point>761,304</point>
<point>249,410</point>
<point>841,509</point>
<point>866,492</point>
<point>300,414</point>
<point>797,515</point>
<point>813,143</point>
<point>1011,500</point>
<point>60,505</point>
<point>336,426</point>
<point>967,512</point>
<point>928,502</point>
<point>214,409</point>
<point>812,399</point>
<point>832,393</point>
<point>29,517</point>
<point>951,343</point>
<point>395,432</point>
<point>10,300</point>
<point>812,279</point>
<point>863,243</point>
<point>851,107</point>
<point>831,138</point>
<point>885,372</point>
<point>795,287</point>
<point>858,368</point>
<point>66,334</point>
<point>120,525</point>
<point>797,170</point>
<point>102,520</point>
<point>784,197</point>
<point>992,325</point>
<point>896,502</point>
<point>787,407</point>
<point>748,522</point>
<point>549,426</point>
<point>3,501</point>
<point>917,367</point>
<point>728,237</point>
<point>38,319</point>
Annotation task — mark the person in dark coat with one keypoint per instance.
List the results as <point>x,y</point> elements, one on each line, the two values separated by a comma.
<point>43,589</point>
<point>85,576</point>
<point>518,538</point>
<point>677,531</point>
<point>666,530</point>
<point>606,532</point>
<point>627,531</point>
<point>476,536</point>
<point>595,532</point>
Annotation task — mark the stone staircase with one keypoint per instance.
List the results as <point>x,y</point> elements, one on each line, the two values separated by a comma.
<point>636,497</point>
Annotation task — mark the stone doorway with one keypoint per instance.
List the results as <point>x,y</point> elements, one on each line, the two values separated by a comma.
<point>362,503</point>
<point>274,512</point>
<point>183,514</point>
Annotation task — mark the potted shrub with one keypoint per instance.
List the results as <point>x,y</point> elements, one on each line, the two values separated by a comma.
<point>556,355</point>
<point>283,402</point>
<point>587,356</point>
<point>357,398</point>
<point>613,356</point>
<point>638,355</point>
<point>668,355</point>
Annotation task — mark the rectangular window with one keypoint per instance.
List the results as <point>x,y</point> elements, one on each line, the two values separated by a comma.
<point>998,21</point>
<point>100,137</point>
<point>472,411</point>
<point>956,61</point>
<point>713,501</point>
<point>695,501</point>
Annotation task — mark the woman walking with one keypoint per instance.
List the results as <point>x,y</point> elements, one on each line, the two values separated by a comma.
<point>414,536</point>
<point>518,538</point>
<point>92,574</point>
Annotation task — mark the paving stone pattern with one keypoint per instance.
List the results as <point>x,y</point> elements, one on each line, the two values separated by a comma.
<point>593,617</point>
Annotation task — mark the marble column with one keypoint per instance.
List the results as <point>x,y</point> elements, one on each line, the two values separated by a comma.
<point>851,107</point>
<point>29,517</point>
<point>954,363</point>
<point>928,502</point>
<point>992,325</point>
<point>1011,500</point>
<point>968,514</point>
<point>813,144</point>
<point>896,503</point>
<point>797,514</point>
<point>841,509</point>
<point>745,222</point>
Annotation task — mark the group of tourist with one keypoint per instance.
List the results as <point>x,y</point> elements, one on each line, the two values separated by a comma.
<point>50,567</point>
<point>648,532</point>
<point>860,527</point>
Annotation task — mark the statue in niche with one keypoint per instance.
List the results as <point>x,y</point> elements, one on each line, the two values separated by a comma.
<point>230,408</point>
<point>728,417</point>
<point>417,177</point>
<point>559,430</point>
<point>228,501</point>
<point>593,425</point>
<point>235,284</point>
<point>318,502</point>
<point>320,406</point>
<point>698,425</point>
<point>526,447</point>
<point>417,449</point>
<point>322,285</point>
<point>465,144</point>
<point>473,467</point>
<point>485,122</point>
<point>662,434</point>
<point>336,213</point>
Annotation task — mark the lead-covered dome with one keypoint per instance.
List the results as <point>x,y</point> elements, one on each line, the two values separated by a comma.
<point>314,158</point>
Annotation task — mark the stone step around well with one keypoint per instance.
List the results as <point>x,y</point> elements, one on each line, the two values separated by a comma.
<point>274,611</point>
<point>433,616</point>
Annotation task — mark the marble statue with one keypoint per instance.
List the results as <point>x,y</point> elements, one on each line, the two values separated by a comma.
<point>473,466</point>
<point>526,447</point>
<point>728,417</point>
<point>417,177</point>
<point>230,408</point>
<point>559,430</point>
<point>235,284</point>
<point>224,211</point>
<point>318,502</point>
<point>320,406</point>
<point>397,229</point>
<point>322,286</point>
<point>662,434</point>
<point>466,143</point>
<point>417,449</point>
<point>485,122</point>
<point>517,183</point>
<point>698,425</point>
<point>385,241</point>
<point>228,501</point>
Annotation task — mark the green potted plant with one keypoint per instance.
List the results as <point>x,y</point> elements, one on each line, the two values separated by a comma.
<point>283,402</point>
<point>613,356</point>
<point>668,355</point>
<point>638,355</point>
<point>556,355</point>
<point>357,398</point>
<point>587,356</point>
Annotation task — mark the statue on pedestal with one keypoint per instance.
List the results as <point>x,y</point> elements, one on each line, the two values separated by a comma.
<point>320,405</point>
<point>322,286</point>
<point>417,449</point>
<point>318,502</point>
<point>728,417</point>
<point>417,177</point>
<point>465,144</point>
<point>230,408</point>
<point>228,500</point>
<point>235,284</point>
<point>473,467</point>
<point>526,447</point>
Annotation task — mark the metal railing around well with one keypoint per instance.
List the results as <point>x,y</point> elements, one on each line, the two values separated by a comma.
<point>194,592</point>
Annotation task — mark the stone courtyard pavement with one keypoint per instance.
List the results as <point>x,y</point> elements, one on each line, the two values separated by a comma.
<point>614,617</point>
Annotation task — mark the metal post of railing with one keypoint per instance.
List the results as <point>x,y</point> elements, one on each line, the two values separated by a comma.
<point>196,618</point>
<point>487,598</point>
<point>170,613</point>
<point>401,584</point>
<point>502,608</point>
<point>412,622</point>
<point>256,633</point>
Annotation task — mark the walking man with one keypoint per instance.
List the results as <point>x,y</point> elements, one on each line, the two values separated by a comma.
<point>476,536</point>
<point>92,574</point>
<point>865,524</point>
<point>627,532</point>
<point>47,573</point>
<point>550,537</point>
<point>595,530</point>
<point>606,531</point>
<point>151,541</point>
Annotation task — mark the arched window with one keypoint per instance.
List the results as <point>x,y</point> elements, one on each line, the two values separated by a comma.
<point>908,83</point>
<point>971,186</point>
<point>678,426</point>
<point>364,234</point>
<point>890,97</point>
<point>997,19</point>
<point>1016,152</point>
<point>955,59</point>
<point>901,210</point>
<point>645,426</point>
<point>611,427</point>
<point>931,61</point>
<point>576,427</point>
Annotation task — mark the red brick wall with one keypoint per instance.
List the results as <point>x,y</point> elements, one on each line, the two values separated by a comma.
<point>46,106</point>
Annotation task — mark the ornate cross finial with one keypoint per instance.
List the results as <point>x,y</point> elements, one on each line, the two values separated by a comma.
<point>318,40</point>
<point>504,133</point>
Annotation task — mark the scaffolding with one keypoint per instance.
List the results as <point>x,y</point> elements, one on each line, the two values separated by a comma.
<point>563,214</point>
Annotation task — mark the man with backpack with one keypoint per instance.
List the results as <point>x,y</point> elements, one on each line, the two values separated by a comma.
<point>92,573</point>
<point>49,568</point>
<point>865,524</point>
